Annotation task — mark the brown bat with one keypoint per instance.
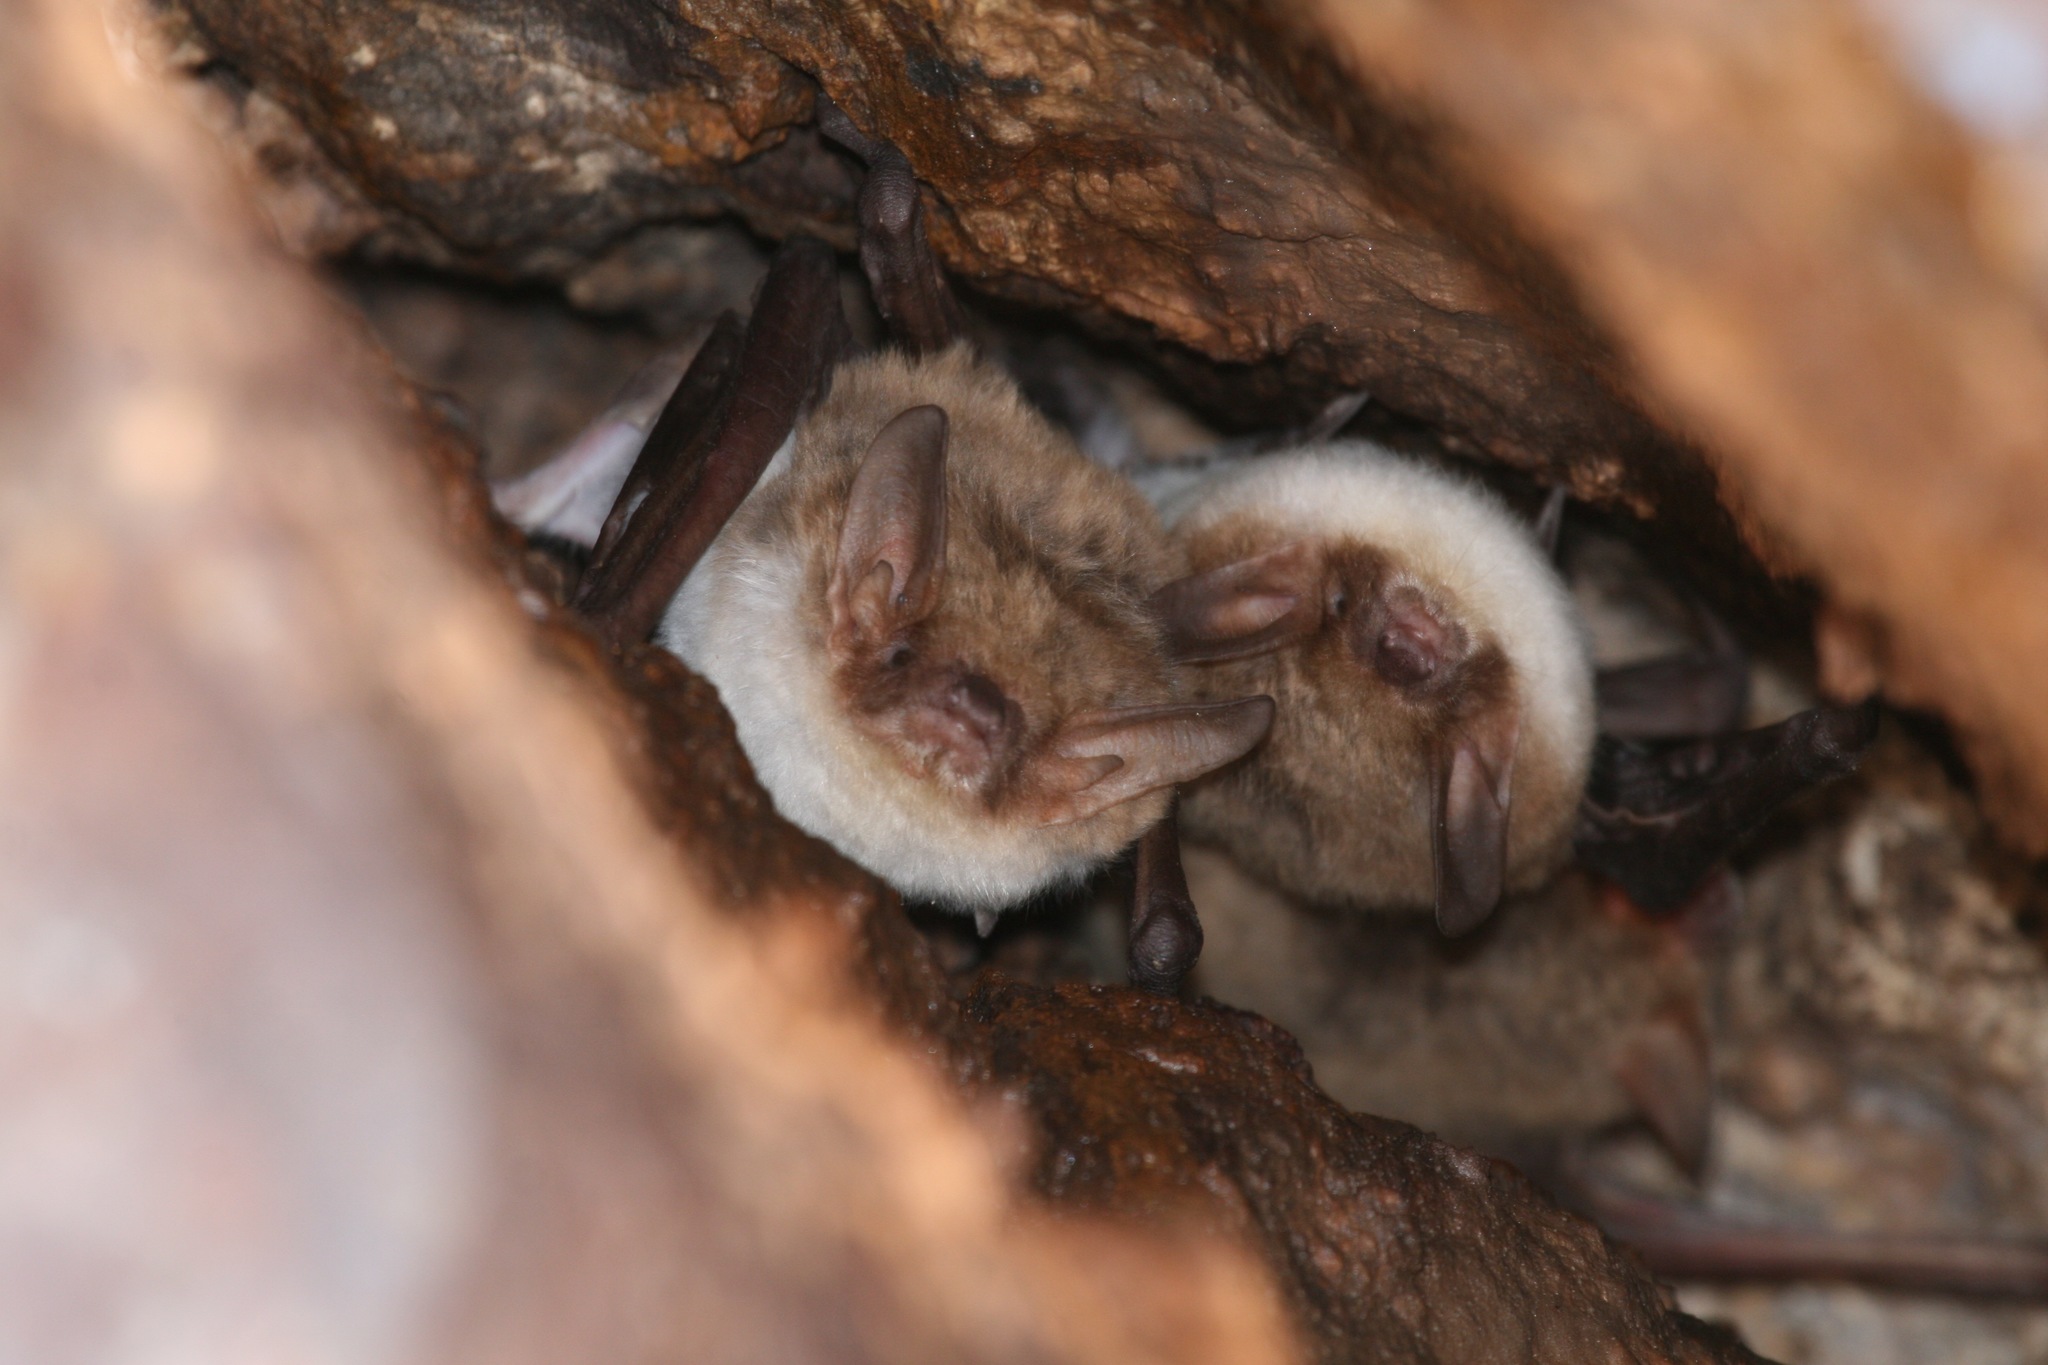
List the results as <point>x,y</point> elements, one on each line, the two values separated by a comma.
<point>1434,697</point>
<point>927,612</point>
<point>931,625</point>
<point>1434,741</point>
<point>1571,1014</point>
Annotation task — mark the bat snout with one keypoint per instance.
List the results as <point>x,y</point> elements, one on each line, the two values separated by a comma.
<point>966,722</point>
<point>1406,641</point>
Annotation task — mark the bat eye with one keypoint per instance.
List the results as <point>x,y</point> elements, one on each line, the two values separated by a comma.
<point>898,657</point>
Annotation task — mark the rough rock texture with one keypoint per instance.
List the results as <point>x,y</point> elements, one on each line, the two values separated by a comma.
<point>360,1008</point>
<point>1150,1106</point>
<point>1790,260</point>
<point>1199,177</point>
<point>1883,1017</point>
<point>1824,276</point>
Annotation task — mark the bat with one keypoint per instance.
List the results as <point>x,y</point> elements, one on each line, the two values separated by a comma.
<point>1434,746</point>
<point>931,623</point>
<point>1573,1013</point>
<point>928,614</point>
<point>1570,1013</point>
<point>1434,697</point>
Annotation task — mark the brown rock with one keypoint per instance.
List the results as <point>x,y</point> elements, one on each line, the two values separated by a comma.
<point>1811,265</point>
<point>360,1007</point>
<point>1390,1246</point>
<point>1203,181</point>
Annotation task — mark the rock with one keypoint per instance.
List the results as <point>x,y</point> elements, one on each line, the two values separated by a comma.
<point>393,976</point>
<point>1209,185</point>
<point>1389,1245</point>
<point>1832,281</point>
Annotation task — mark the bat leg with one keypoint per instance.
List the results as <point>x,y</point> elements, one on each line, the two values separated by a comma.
<point>1701,693</point>
<point>727,418</point>
<point>1681,1242</point>
<point>1667,1070</point>
<point>1166,934</point>
<point>910,289</point>
<point>1657,819</point>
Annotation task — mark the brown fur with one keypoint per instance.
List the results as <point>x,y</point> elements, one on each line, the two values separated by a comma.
<point>1505,1041</point>
<point>1336,805</point>
<point>1049,562</point>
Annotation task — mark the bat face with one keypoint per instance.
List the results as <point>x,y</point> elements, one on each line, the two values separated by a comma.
<point>932,624</point>
<point>1434,700</point>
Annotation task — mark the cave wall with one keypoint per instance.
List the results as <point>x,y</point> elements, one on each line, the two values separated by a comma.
<point>399,975</point>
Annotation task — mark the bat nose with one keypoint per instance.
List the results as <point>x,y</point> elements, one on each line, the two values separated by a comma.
<point>980,706</point>
<point>1407,644</point>
<point>1405,656</point>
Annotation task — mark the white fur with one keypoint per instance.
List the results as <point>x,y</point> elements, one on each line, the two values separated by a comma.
<point>743,621</point>
<point>1442,528</point>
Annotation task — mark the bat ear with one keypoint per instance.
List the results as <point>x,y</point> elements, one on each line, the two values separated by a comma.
<point>1250,607</point>
<point>1105,758</point>
<point>1666,1069</point>
<point>1469,838</point>
<point>892,545</point>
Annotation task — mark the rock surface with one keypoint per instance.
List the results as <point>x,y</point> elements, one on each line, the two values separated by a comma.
<point>402,980</point>
<point>1830,280</point>
<point>1737,230</point>
<point>1199,179</point>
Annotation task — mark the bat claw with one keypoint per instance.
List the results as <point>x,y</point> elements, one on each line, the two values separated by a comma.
<point>1166,934</point>
<point>1165,945</point>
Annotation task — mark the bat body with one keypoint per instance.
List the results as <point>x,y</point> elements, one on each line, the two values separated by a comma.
<point>1571,1014</point>
<point>1568,1015</point>
<point>1435,712</point>
<point>931,623</point>
<point>1005,741</point>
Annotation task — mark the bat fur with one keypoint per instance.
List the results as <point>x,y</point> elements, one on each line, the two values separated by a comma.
<point>1013,738</point>
<point>1419,628</point>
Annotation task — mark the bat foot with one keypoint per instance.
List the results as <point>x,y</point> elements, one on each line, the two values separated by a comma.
<point>1165,946</point>
<point>1166,934</point>
<point>909,288</point>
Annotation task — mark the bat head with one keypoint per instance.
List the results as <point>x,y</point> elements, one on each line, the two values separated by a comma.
<point>1011,673</point>
<point>1434,703</point>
